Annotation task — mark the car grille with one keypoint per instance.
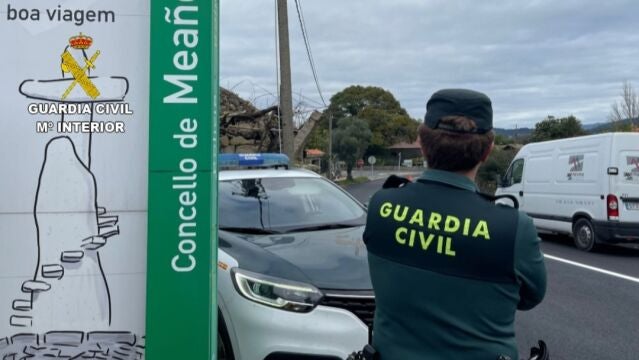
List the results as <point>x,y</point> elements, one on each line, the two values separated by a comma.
<point>360,304</point>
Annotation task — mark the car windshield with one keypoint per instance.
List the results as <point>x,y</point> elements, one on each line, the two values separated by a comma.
<point>278,205</point>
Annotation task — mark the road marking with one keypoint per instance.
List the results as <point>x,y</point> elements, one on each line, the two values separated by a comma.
<point>592,268</point>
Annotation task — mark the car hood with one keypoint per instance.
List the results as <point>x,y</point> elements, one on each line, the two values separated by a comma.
<point>328,259</point>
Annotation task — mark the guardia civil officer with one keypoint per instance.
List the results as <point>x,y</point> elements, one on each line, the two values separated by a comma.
<point>449,267</point>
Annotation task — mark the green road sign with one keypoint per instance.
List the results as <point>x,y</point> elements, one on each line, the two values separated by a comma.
<point>182,222</point>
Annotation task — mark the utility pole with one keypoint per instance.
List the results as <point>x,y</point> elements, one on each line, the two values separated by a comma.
<point>286,97</point>
<point>330,146</point>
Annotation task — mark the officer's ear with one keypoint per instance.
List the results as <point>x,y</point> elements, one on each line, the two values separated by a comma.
<point>488,151</point>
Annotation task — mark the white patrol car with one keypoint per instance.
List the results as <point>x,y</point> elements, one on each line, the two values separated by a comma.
<point>293,279</point>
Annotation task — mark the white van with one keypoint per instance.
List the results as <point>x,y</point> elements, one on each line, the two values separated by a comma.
<point>585,186</point>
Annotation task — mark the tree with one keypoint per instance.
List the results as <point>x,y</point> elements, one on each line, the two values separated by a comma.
<point>494,168</point>
<point>625,112</point>
<point>352,100</point>
<point>351,138</point>
<point>387,120</point>
<point>552,128</point>
<point>388,128</point>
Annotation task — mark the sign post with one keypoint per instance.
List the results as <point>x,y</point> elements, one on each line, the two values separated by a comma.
<point>182,243</point>
<point>108,206</point>
<point>372,160</point>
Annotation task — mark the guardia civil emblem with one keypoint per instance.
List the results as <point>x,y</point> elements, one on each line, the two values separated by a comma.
<point>79,70</point>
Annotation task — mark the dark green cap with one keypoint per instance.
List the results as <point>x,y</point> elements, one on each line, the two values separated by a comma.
<point>459,102</point>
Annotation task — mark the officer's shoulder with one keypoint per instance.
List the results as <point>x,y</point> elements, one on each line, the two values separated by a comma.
<point>525,220</point>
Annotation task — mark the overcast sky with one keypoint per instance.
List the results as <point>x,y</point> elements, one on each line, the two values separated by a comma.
<point>532,57</point>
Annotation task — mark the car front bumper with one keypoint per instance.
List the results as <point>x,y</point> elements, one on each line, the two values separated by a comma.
<point>260,332</point>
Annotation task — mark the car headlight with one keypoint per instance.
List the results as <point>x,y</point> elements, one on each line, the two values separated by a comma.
<point>275,292</point>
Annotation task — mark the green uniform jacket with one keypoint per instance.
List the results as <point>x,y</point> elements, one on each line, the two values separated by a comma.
<point>449,269</point>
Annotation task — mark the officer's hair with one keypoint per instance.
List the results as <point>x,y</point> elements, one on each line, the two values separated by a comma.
<point>453,151</point>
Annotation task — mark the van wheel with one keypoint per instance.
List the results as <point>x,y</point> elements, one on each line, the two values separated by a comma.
<point>584,235</point>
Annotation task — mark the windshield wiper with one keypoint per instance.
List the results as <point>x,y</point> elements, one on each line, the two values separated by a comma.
<point>324,227</point>
<point>250,230</point>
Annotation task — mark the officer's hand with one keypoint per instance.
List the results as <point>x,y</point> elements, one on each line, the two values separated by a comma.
<point>395,181</point>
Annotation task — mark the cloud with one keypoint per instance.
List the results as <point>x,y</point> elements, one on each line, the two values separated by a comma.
<point>532,58</point>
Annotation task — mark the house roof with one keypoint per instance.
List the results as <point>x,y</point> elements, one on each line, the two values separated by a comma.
<point>314,153</point>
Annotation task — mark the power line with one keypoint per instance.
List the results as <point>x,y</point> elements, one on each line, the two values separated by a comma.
<point>309,53</point>
<point>311,102</point>
<point>300,15</point>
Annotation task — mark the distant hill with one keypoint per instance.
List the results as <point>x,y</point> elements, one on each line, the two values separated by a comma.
<point>512,133</point>
<point>595,128</point>
<point>603,127</point>
<point>589,127</point>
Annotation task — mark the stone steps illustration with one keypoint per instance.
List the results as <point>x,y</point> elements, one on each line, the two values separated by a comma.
<point>52,271</point>
<point>21,320</point>
<point>93,242</point>
<point>22,305</point>
<point>74,256</point>
<point>108,231</point>
<point>107,220</point>
<point>33,286</point>
<point>107,226</point>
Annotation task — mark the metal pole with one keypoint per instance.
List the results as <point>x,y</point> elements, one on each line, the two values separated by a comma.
<point>286,97</point>
<point>277,79</point>
<point>330,146</point>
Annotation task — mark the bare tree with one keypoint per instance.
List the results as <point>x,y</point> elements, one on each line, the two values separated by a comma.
<point>627,108</point>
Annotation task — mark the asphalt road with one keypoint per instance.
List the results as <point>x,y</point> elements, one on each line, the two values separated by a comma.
<point>589,313</point>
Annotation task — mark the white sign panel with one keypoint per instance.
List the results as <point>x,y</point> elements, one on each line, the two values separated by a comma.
<point>73,198</point>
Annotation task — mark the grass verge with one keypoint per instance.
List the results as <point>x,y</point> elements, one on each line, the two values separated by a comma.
<point>355,181</point>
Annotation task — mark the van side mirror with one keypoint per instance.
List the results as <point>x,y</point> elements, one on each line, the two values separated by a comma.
<point>507,200</point>
<point>502,182</point>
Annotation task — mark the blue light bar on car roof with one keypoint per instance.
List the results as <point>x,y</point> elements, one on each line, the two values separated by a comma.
<point>253,160</point>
